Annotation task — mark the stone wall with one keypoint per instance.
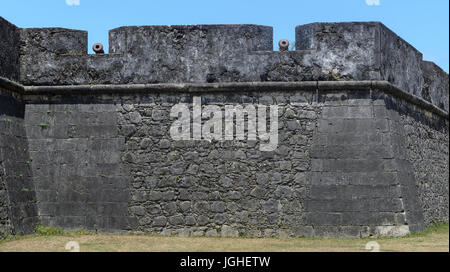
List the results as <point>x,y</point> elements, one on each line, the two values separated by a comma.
<point>77,170</point>
<point>435,88</point>
<point>5,222</point>
<point>367,50</point>
<point>355,182</point>
<point>229,53</point>
<point>226,188</point>
<point>9,50</point>
<point>426,145</point>
<point>18,211</point>
<point>85,143</point>
<point>107,162</point>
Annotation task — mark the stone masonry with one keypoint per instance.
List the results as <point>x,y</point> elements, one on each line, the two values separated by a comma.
<point>85,143</point>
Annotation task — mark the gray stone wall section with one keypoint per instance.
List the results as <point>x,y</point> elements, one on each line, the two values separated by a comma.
<point>400,63</point>
<point>9,50</point>
<point>223,53</point>
<point>341,50</point>
<point>5,222</point>
<point>187,53</point>
<point>354,191</point>
<point>436,85</point>
<point>354,158</point>
<point>341,167</point>
<point>181,188</point>
<point>423,147</point>
<point>49,55</point>
<point>191,39</point>
<point>77,170</point>
<point>361,51</point>
<point>388,108</point>
<point>220,188</point>
<point>431,171</point>
<point>142,54</point>
<point>18,212</point>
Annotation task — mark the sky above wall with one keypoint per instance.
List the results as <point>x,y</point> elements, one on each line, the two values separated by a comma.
<point>424,24</point>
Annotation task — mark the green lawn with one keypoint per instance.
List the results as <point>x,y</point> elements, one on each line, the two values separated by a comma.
<point>50,240</point>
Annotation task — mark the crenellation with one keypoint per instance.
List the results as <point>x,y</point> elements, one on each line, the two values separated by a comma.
<point>9,50</point>
<point>436,85</point>
<point>225,53</point>
<point>229,39</point>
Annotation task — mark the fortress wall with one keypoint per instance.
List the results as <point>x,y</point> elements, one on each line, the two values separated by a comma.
<point>225,188</point>
<point>430,169</point>
<point>423,145</point>
<point>143,55</point>
<point>435,88</point>
<point>341,167</point>
<point>18,211</point>
<point>230,53</point>
<point>9,50</point>
<point>60,52</point>
<point>354,179</point>
<point>5,221</point>
<point>359,51</point>
<point>81,182</point>
<point>362,144</point>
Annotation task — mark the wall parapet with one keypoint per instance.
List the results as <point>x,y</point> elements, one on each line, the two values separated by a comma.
<point>222,53</point>
<point>221,87</point>
<point>9,50</point>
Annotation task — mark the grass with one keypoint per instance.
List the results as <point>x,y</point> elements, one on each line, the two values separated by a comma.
<point>48,239</point>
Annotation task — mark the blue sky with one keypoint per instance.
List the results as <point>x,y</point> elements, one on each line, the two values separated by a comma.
<point>424,24</point>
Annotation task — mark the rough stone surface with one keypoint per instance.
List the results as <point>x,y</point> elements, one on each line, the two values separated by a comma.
<point>343,169</point>
<point>361,51</point>
<point>9,50</point>
<point>352,159</point>
<point>436,85</point>
<point>18,210</point>
<point>427,146</point>
<point>77,170</point>
<point>220,53</point>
